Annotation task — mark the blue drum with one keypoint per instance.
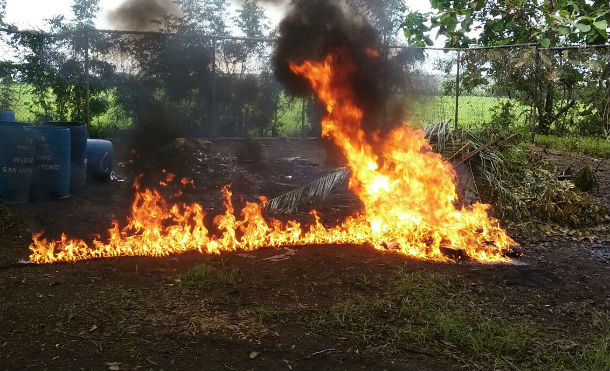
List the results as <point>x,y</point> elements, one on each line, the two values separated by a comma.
<point>99,159</point>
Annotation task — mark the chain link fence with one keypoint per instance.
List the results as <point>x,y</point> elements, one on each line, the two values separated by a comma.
<point>194,85</point>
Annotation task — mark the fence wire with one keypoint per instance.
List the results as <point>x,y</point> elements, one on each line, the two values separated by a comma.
<point>195,85</point>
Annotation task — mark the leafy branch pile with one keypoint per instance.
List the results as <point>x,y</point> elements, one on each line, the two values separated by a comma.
<point>521,185</point>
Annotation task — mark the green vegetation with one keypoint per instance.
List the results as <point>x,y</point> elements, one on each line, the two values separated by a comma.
<point>585,178</point>
<point>204,275</point>
<point>498,114</point>
<point>427,314</point>
<point>266,315</point>
<point>592,146</point>
<point>473,111</point>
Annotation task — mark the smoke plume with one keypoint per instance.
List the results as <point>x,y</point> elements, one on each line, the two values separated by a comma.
<point>142,15</point>
<point>314,28</point>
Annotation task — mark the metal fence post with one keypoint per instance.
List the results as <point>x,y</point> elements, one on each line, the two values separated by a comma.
<point>386,92</point>
<point>88,93</point>
<point>457,89</point>
<point>214,123</point>
<point>535,97</point>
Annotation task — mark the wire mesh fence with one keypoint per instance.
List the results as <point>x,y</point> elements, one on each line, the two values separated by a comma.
<point>197,85</point>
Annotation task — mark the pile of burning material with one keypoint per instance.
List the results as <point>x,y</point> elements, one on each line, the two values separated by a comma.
<point>520,185</point>
<point>463,152</point>
<point>408,192</point>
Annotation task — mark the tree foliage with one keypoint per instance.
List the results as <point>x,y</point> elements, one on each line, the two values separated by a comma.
<point>503,22</point>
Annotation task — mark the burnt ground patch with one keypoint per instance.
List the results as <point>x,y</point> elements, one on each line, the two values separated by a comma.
<point>312,307</point>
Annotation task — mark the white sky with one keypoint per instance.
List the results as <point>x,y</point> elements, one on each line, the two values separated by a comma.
<point>31,14</point>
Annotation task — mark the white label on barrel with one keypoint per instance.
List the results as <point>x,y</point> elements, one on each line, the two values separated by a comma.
<point>16,170</point>
<point>49,167</point>
<point>23,160</point>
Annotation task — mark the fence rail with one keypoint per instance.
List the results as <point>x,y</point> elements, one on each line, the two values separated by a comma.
<point>223,86</point>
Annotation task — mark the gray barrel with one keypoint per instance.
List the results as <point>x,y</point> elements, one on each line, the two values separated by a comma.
<point>78,151</point>
<point>17,151</point>
<point>51,175</point>
<point>99,159</point>
<point>7,116</point>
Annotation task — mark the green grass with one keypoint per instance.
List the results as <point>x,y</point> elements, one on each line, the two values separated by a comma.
<point>266,315</point>
<point>598,147</point>
<point>204,276</point>
<point>428,314</point>
<point>473,111</point>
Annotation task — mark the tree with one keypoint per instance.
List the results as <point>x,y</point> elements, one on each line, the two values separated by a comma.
<point>251,19</point>
<point>385,15</point>
<point>248,95</point>
<point>85,12</point>
<point>56,65</point>
<point>503,22</point>
<point>2,11</point>
<point>206,16</point>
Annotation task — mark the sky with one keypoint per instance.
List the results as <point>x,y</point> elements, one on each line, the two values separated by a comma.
<point>31,14</point>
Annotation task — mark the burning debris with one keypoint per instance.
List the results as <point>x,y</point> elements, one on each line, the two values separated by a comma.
<point>408,191</point>
<point>314,29</point>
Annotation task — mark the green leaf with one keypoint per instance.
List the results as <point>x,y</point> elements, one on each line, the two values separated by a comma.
<point>466,23</point>
<point>564,13</point>
<point>583,27</point>
<point>601,25</point>
<point>545,59</point>
<point>545,42</point>
<point>563,30</point>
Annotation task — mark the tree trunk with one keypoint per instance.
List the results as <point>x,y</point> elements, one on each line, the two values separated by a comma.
<point>545,110</point>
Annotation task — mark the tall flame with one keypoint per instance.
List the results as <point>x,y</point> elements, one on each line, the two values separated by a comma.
<point>407,190</point>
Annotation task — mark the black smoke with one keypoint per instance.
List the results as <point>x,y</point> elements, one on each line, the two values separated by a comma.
<point>314,28</point>
<point>142,15</point>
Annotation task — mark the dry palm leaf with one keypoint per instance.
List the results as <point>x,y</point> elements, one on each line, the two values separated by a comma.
<point>316,191</point>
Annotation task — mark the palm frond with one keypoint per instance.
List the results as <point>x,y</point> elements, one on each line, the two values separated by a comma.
<point>316,191</point>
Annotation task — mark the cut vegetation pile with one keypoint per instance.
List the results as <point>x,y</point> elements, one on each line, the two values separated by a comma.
<point>522,186</point>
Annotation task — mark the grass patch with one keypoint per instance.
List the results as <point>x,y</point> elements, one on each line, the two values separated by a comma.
<point>592,146</point>
<point>428,313</point>
<point>266,316</point>
<point>363,281</point>
<point>204,275</point>
<point>473,111</point>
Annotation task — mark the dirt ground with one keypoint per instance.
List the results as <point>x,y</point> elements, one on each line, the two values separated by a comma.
<point>292,308</point>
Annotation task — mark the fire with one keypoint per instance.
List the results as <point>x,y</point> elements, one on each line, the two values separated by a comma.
<point>407,190</point>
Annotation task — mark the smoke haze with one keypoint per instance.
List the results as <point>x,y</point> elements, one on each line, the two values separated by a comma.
<point>142,15</point>
<point>314,28</point>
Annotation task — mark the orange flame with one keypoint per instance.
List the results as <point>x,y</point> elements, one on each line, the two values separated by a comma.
<point>408,192</point>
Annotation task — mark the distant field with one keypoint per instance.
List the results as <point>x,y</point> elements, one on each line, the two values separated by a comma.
<point>473,111</point>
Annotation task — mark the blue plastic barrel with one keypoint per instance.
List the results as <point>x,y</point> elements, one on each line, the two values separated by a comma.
<point>78,151</point>
<point>99,159</point>
<point>51,175</point>
<point>7,116</point>
<point>17,151</point>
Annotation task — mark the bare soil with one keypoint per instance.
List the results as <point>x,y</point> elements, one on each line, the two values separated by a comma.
<point>135,313</point>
